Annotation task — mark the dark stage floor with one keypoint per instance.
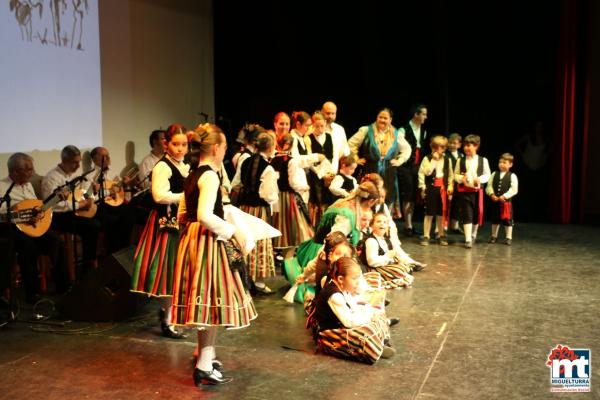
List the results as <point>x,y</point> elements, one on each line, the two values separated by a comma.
<point>478,324</point>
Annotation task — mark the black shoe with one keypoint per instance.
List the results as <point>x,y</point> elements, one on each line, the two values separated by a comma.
<point>218,365</point>
<point>209,378</point>
<point>409,232</point>
<point>170,332</point>
<point>508,242</point>
<point>418,267</point>
<point>492,239</point>
<point>393,321</point>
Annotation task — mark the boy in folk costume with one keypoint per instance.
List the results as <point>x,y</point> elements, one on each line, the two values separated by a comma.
<point>472,171</point>
<point>454,153</point>
<point>503,186</point>
<point>436,184</point>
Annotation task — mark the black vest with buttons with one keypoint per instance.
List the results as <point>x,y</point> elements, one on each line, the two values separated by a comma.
<point>446,171</point>
<point>501,186</point>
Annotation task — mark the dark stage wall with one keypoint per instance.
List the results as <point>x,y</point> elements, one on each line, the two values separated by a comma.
<point>483,68</point>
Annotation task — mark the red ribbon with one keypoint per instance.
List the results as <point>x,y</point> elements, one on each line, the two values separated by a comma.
<point>480,222</point>
<point>417,156</point>
<point>505,210</point>
<point>439,182</point>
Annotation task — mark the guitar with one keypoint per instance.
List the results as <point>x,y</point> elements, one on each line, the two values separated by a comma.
<point>80,195</point>
<point>32,217</point>
<point>114,193</point>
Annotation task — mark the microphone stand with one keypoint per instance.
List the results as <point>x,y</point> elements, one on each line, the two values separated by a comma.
<point>101,181</point>
<point>12,298</point>
<point>72,184</point>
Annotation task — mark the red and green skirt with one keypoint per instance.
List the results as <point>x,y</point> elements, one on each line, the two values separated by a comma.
<point>260,261</point>
<point>291,222</point>
<point>206,291</point>
<point>154,260</point>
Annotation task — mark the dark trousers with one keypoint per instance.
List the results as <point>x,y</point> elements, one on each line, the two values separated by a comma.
<point>469,207</point>
<point>27,250</point>
<point>87,228</point>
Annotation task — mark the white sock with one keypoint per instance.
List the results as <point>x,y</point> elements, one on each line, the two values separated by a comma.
<point>427,226</point>
<point>206,338</point>
<point>439,220</point>
<point>468,228</point>
<point>495,229</point>
<point>474,234</point>
<point>260,284</point>
<point>508,231</point>
<point>407,211</point>
<point>166,303</point>
<point>454,224</point>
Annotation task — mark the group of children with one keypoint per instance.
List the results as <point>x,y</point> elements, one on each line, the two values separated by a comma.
<point>452,188</point>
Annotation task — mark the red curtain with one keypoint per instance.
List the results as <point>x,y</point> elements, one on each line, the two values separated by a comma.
<point>573,113</point>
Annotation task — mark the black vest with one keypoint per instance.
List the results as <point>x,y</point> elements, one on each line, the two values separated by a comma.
<point>501,186</point>
<point>452,158</point>
<point>446,168</point>
<point>175,186</point>
<point>323,312</point>
<point>410,137</point>
<point>326,149</point>
<point>380,252</point>
<point>302,150</point>
<point>348,184</point>
<point>192,194</point>
<point>280,164</point>
<point>252,169</point>
<point>463,165</point>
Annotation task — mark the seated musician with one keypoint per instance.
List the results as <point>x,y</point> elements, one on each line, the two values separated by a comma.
<point>28,248</point>
<point>82,221</point>
<point>157,143</point>
<point>114,215</point>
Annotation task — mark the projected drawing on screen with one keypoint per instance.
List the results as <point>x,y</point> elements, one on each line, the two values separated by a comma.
<point>51,22</point>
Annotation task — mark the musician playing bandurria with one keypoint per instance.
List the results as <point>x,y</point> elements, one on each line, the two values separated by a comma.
<point>20,170</point>
<point>63,219</point>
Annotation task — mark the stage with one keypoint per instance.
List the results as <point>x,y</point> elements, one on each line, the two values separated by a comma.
<point>477,324</point>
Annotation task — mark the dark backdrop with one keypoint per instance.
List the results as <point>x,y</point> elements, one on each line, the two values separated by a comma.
<point>481,68</point>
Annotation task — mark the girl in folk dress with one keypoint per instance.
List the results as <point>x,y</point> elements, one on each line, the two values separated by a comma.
<point>258,195</point>
<point>346,328</point>
<point>208,291</point>
<point>154,258</point>
<point>379,255</point>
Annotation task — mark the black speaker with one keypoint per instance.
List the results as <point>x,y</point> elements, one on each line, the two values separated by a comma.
<point>103,294</point>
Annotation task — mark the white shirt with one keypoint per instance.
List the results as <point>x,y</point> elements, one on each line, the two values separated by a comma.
<point>427,168</point>
<point>358,138</point>
<point>321,140</point>
<point>57,177</point>
<point>18,192</point>
<point>336,185</point>
<point>348,311</point>
<point>297,179</point>
<point>514,185</point>
<point>161,188</point>
<point>416,130</point>
<point>268,189</point>
<point>145,169</point>
<point>471,174</point>
<point>340,140</point>
<point>208,186</point>
<point>237,178</point>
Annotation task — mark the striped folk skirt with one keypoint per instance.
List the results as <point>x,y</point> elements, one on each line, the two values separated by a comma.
<point>260,261</point>
<point>394,276</point>
<point>154,260</point>
<point>363,344</point>
<point>206,292</point>
<point>291,222</point>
